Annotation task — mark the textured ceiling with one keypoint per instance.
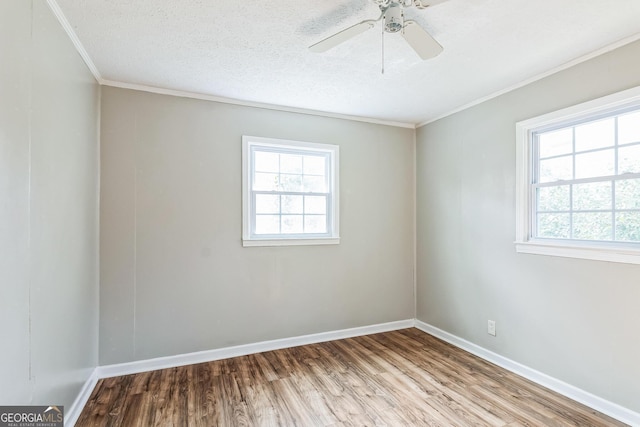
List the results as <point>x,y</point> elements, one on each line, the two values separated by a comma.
<point>257,51</point>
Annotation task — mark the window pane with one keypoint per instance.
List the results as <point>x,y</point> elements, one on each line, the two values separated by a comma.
<point>598,134</point>
<point>267,204</point>
<point>556,169</point>
<point>265,161</point>
<point>314,165</point>
<point>554,198</point>
<point>556,143</point>
<point>315,205</point>
<point>265,181</point>
<point>629,128</point>
<point>289,191</point>
<point>292,224</point>
<point>290,182</point>
<point>267,224</point>
<point>592,226</point>
<point>628,226</point>
<point>290,163</point>
<point>592,196</point>
<point>629,159</point>
<point>315,224</point>
<point>292,204</point>
<point>314,184</point>
<point>554,226</point>
<point>595,164</point>
<point>628,194</point>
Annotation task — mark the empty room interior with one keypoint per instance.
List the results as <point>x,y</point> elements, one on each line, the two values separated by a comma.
<point>345,212</point>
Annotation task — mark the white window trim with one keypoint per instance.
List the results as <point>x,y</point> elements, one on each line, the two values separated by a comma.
<point>295,240</point>
<point>525,243</point>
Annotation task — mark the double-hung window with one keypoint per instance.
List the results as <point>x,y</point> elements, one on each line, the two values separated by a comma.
<point>290,192</point>
<point>578,189</point>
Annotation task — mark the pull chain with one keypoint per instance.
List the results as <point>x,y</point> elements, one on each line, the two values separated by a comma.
<point>384,22</point>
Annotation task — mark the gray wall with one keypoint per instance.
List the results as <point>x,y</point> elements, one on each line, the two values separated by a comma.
<point>49,108</point>
<point>575,320</point>
<point>174,275</point>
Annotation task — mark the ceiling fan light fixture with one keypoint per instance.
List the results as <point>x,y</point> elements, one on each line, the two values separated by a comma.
<point>393,21</point>
<point>393,18</point>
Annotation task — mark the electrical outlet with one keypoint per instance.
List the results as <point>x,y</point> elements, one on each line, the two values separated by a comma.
<point>491,327</point>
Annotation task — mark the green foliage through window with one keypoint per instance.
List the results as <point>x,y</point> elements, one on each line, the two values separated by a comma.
<point>587,180</point>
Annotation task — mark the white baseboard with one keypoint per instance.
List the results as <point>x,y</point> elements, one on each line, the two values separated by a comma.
<point>72,415</point>
<point>599,404</point>
<point>108,371</point>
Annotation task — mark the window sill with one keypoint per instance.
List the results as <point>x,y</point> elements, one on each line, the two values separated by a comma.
<point>290,242</point>
<point>627,255</point>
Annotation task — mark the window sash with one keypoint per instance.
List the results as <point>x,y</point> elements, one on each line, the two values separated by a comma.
<point>536,185</point>
<point>618,103</point>
<point>280,214</point>
<point>305,180</point>
<point>296,152</point>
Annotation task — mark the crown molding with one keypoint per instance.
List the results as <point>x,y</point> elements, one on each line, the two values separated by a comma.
<point>266,106</point>
<point>55,8</point>
<point>74,39</point>
<point>566,65</point>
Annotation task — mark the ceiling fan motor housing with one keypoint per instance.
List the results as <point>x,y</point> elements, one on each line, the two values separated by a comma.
<point>393,18</point>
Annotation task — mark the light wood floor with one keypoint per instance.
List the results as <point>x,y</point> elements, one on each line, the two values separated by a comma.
<point>401,378</point>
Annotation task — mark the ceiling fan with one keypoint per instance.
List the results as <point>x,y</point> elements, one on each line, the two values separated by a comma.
<point>393,21</point>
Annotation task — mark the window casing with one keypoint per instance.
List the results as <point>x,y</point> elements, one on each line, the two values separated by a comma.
<point>290,192</point>
<point>578,181</point>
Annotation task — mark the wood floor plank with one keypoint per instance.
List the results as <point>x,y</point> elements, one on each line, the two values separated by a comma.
<point>399,378</point>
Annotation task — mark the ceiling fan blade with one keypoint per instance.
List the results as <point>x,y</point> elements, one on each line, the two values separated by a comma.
<point>341,37</point>
<point>425,46</point>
